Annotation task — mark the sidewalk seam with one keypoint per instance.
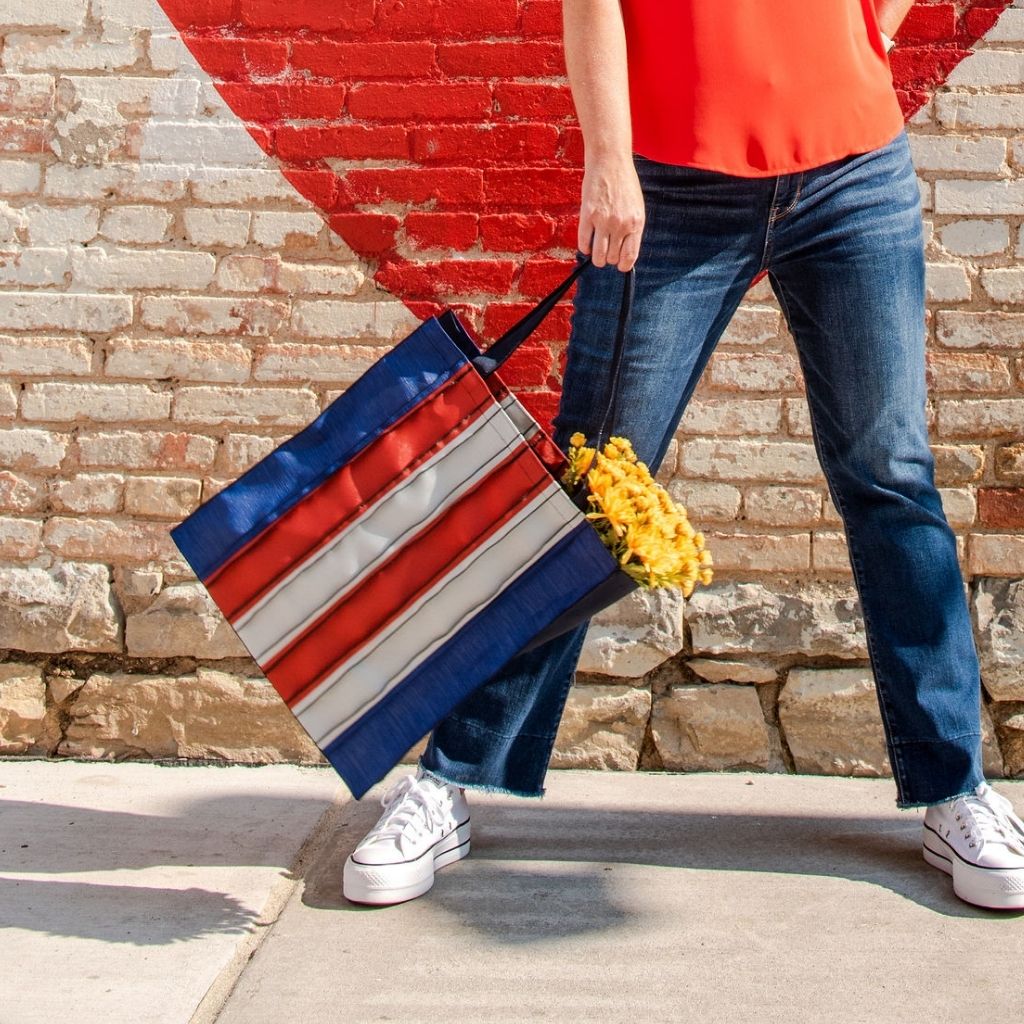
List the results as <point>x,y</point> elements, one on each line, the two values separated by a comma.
<point>221,988</point>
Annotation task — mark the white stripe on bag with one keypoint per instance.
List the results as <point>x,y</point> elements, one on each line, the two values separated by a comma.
<point>457,597</point>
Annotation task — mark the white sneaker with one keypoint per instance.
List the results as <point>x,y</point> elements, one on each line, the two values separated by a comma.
<point>425,825</point>
<point>979,840</point>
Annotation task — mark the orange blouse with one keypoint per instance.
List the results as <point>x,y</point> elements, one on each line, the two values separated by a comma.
<point>757,87</point>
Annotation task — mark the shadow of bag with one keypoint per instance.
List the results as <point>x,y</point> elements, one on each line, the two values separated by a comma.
<point>396,553</point>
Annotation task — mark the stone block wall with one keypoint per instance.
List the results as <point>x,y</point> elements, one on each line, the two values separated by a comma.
<point>215,215</point>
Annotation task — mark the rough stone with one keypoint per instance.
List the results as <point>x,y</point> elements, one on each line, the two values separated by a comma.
<point>832,723</point>
<point>25,726</point>
<point>635,634</point>
<point>998,611</point>
<point>210,714</point>
<point>602,727</point>
<point>67,607</point>
<point>819,618</point>
<point>183,619</point>
<point>710,727</point>
<point>1008,719</point>
<point>719,670</point>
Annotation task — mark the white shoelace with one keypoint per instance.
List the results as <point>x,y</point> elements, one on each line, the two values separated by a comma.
<point>408,804</point>
<point>991,818</point>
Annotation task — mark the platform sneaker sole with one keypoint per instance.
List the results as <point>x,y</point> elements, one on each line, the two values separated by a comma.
<point>984,887</point>
<point>380,884</point>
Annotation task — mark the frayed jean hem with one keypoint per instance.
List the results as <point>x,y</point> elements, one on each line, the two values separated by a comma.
<point>487,788</point>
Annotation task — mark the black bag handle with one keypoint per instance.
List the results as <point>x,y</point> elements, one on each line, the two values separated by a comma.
<point>496,354</point>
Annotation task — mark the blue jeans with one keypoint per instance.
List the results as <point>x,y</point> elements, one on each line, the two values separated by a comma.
<point>844,250</point>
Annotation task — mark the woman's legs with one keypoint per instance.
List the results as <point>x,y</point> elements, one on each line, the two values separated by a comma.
<point>689,280</point>
<point>847,265</point>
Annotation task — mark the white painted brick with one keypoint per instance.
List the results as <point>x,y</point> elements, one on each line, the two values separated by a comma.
<point>34,267</point>
<point>224,227</point>
<point>964,110</point>
<point>48,225</point>
<point>13,224</point>
<point>774,505</point>
<point>171,497</point>
<point>277,229</point>
<point>948,152</point>
<point>327,318</point>
<point>61,402</point>
<point>979,197</point>
<point>755,371</point>
<point>258,272</point>
<point>43,13</point>
<point>789,552</point>
<point>982,329</point>
<point>27,94</point>
<point>87,492</point>
<point>1004,284</point>
<point>731,416</point>
<point>146,449</point>
<point>20,177</point>
<point>960,505</point>
<point>326,279</point>
<point>207,144</point>
<point>28,311</point>
<point>776,461</point>
<point>983,417</point>
<point>20,538</point>
<point>989,68</point>
<point>33,355</point>
<point>96,267</point>
<point>128,182</point>
<point>708,501</point>
<point>292,407</point>
<point>241,187</point>
<point>241,451</point>
<point>23,448</point>
<point>295,362</point>
<point>1008,29</point>
<point>21,493</point>
<point>947,282</point>
<point>114,99</point>
<point>195,314</point>
<point>72,52</point>
<point>975,237</point>
<point>168,53</point>
<point>164,359</point>
<point>139,225</point>
<point>8,401</point>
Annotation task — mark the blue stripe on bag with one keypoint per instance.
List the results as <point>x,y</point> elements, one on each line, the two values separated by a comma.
<point>403,377</point>
<point>370,747</point>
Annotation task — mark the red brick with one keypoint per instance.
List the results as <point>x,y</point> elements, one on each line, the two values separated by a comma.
<point>358,61</point>
<point>372,233</point>
<point>513,59</point>
<point>481,145</point>
<point>403,101</point>
<point>516,232</point>
<point>318,15</point>
<point>1001,507</point>
<point>441,230</point>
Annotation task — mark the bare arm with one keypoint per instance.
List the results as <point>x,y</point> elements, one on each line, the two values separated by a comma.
<point>891,14</point>
<point>611,204</point>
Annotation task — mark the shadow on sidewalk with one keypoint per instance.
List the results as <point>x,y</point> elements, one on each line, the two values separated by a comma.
<point>515,905</point>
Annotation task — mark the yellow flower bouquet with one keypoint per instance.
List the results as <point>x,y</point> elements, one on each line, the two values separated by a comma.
<point>641,525</point>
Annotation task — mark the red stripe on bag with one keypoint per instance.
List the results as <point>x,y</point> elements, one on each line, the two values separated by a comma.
<point>349,624</point>
<point>297,535</point>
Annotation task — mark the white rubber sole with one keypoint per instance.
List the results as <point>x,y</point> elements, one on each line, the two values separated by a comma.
<point>984,887</point>
<point>381,884</point>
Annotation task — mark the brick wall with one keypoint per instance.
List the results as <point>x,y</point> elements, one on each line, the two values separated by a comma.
<point>215,214</point>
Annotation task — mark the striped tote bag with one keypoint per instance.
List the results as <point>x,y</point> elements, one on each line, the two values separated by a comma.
<point>405,545</point>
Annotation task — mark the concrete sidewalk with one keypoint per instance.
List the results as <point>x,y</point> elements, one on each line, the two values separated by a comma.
<point>142,893</point>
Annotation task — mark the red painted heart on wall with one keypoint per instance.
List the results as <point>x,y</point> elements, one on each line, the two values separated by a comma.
<point>440,140</point>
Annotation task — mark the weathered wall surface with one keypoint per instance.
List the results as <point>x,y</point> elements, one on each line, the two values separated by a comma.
<point>214,215</point>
